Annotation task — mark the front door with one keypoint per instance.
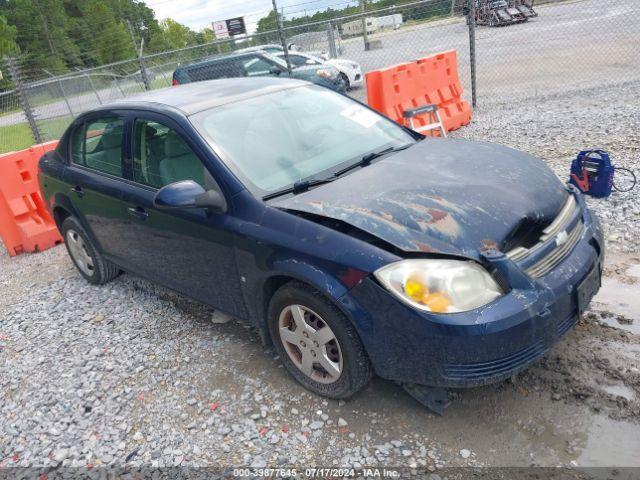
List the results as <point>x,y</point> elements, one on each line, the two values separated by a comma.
<point>188,250</point>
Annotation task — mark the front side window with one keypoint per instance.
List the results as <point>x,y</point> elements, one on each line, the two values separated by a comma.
<point>161,156</point>
<point>272,141</point>
<point>98,145</point>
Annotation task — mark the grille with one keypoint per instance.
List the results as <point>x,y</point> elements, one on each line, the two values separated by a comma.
<point>487,370</point>
<point>555,256</point>
<point>543,267</point>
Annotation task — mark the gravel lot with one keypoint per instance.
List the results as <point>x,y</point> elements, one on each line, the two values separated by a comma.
<point>129,374</point>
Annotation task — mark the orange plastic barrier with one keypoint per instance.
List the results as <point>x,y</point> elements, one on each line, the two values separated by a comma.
<point>429,80</point>
<point>25,223</point>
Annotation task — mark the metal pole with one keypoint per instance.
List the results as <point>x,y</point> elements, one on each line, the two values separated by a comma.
<point>143,67</point>
<point>365,36</point>
<point>281,35</point>
<point>472,50</point>
<point>16,77</point>
<point>453,7</point>
<point>143,70</point>
<point>333,51</point>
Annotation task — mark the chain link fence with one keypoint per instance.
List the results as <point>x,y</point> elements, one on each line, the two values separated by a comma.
<point>569,44</point>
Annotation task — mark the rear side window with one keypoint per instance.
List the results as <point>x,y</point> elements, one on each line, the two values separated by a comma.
<point>223,69</point>
<point>162,157</point>
<point>98,145</point>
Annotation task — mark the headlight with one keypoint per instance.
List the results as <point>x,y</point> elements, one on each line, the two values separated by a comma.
<point>327,73</point>
<point>440,286</point>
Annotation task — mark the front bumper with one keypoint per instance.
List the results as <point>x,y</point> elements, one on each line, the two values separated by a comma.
<point>485,345</point>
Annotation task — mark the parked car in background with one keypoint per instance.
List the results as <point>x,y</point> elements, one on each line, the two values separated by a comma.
<point>257,64</point>
<point>350,71</point>
<point>351,243</point>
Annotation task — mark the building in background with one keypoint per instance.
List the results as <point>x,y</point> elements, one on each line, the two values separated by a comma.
<point>373,24</point>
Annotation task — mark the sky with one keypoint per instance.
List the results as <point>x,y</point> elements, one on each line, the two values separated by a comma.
<point>198,14</point>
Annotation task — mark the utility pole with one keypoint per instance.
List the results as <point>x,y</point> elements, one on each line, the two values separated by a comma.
<point>281,34</point>
<point>143,70</point>
<point>365,36</point>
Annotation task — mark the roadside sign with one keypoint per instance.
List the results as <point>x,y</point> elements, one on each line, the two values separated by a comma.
<point>229,28</point>
<point>220,29</point>
<point>235,26</point>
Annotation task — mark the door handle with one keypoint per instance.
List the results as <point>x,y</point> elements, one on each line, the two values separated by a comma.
<point>138,212</point>
<point>78,191</point>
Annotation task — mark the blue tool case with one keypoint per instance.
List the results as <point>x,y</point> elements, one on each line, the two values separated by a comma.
<point>592,173</point>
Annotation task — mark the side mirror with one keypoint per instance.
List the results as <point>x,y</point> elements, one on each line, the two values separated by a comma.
<point>275,70</point>
<point>189,194</point>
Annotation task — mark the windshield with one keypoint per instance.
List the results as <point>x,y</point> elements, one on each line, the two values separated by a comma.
<point>275,140</point>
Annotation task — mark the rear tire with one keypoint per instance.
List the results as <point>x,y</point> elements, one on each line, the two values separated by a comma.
<point>337,346</point>
<point>91,265</point>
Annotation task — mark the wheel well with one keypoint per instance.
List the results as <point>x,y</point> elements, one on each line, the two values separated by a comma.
<point>270,287</point>
<point>60,214</point>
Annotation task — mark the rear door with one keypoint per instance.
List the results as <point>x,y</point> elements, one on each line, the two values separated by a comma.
<point>95,176</point>
<point>188,250</point>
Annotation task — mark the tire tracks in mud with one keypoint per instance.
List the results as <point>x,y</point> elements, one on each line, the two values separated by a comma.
<point>595,365</point>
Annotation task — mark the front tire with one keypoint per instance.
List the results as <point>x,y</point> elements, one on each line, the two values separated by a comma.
<point>345,79</point>
<point>318,345</point>
<point>91,265</point>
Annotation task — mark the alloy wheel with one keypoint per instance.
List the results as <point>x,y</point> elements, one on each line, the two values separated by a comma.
<point>79,252</point>
<point>310,344</point>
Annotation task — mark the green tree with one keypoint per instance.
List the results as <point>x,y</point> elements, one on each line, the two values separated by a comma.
<point>110,39</point>
<point>176,34</point>
<point>41,33</point>
<point>8,43</point>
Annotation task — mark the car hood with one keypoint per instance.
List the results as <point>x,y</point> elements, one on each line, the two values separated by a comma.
<point>441,196</point>
<point>339,62</point>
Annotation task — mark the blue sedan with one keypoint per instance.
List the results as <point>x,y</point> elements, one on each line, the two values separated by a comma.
<point>355,246</point>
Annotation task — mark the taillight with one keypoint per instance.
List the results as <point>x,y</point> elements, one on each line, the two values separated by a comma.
<point>174,82</point>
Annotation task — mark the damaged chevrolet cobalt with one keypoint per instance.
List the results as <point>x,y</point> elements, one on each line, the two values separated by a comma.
<point>355,246</point>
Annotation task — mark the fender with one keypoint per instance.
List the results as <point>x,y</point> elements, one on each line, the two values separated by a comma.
<point>60,200</point>
<point>332,283</point>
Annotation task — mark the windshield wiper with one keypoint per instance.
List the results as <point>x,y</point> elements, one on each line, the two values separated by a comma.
<point>369,157</point>
<point>304,185</point>
<point>298,187</point>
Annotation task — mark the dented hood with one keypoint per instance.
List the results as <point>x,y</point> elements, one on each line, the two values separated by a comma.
<point>441,195</point>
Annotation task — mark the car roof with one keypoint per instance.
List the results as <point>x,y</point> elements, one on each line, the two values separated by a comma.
<point>258,47</point>
<point>195,97</point>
